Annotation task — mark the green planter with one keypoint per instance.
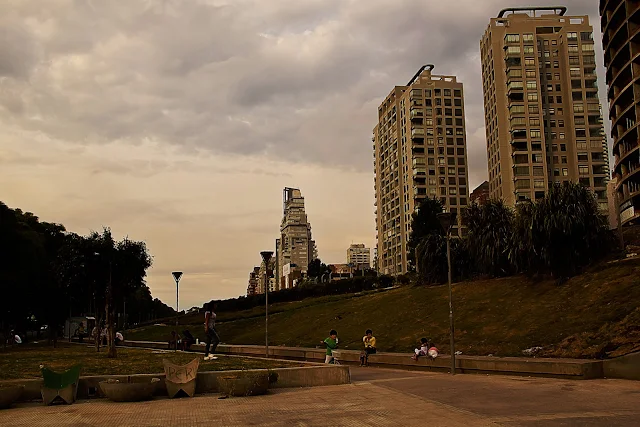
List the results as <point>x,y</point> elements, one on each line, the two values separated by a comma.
<point>9,394</point>
<point>241,384</point>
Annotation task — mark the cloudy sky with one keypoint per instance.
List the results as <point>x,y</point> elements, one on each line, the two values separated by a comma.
<point>179,122</point>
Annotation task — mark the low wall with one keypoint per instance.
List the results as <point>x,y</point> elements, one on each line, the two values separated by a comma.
<point>625,367</point>
<point>207,382</point>
<point>543,367</point>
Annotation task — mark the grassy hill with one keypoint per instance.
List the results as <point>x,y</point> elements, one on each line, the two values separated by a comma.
<point>596,314</point>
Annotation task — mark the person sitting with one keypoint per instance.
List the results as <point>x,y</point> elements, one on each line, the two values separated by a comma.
<point>119,338</point>
<point>423,350</point>
<point>369,342</point>
<point>174,341</point>
<point>81,332</point>
<point>187,340</point>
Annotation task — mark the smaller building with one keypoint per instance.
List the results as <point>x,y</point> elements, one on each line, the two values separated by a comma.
<point>359,256</point>
<point>481,194</point>
<point>252,288</point>
<point>291,274</point>
<point>341,271</point>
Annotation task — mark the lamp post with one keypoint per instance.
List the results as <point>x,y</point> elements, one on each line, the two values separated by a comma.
<point>266,257</point>
<point>446,221</point>
<point>176,276</point>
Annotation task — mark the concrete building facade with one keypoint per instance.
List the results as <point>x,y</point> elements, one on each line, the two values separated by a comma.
<point>359,256</point>
<point>254,277</point>
<point>543,118</point>
<point>419,149</point>
<point>620,21</point>
<point>295,247</point>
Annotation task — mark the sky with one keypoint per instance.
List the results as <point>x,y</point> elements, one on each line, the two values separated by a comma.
<point>179,122</point>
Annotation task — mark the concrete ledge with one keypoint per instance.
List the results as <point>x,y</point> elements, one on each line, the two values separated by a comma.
<point>625,367</point>
<point>207,382</point>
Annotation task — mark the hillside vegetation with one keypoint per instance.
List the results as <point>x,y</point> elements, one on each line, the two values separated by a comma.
<point>593,315</point>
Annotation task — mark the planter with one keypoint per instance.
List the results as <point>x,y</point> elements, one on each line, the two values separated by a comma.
<point>9,394</point>
<point>249,384</point>
<point>128,392</point>
<point>181,379</point>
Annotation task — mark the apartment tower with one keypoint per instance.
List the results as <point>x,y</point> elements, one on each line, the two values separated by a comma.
<point>542,115</point>
<point>621,42</point>
<point>419,151</point>
<point>359,256</point>
<point>295,245</point>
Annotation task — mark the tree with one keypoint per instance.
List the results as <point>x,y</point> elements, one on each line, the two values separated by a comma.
<point>317,268</point>
<point>568,229</point>
<point>489,237</point>
<point>424,222</point>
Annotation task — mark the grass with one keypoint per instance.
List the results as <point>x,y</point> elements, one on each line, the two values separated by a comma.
<point>592,315</point>
<point>24,361</point>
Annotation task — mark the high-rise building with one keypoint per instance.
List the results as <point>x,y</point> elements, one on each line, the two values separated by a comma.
<point>359,256</point>
<point>254,277</point>
<point>419,151</point>
<point>481,194</point>
<point>542,115</point>
<point>620,24</point>
<point>295,245</point>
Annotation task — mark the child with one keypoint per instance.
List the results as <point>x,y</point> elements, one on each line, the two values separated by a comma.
<point>369,342</point>
<point>331,343</point>
<point>423,350</point>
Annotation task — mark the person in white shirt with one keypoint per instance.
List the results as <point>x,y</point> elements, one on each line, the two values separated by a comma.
<point>210,329</point>
<point>119,338</point>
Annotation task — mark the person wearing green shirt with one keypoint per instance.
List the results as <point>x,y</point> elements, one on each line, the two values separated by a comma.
<point>331,343</point>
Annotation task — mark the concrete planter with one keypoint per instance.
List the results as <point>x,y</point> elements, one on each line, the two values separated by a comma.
<point>9,394</point>
<point>244,384</point>
<point>128,392</point>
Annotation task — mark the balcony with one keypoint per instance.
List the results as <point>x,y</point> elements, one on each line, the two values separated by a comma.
<point>417,113</point>
<point>419,171</point>
<point>518,135</point>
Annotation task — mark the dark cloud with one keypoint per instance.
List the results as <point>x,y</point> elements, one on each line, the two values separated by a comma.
<point>298,81</point>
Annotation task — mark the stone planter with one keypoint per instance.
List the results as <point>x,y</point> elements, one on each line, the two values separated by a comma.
<point>128,392</point>
<point>9,394</point>
<point>249,384</point>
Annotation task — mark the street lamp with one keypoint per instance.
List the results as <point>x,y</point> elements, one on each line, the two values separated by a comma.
<point>176,276</point>
<point>266,257</point>
<point>446,221</point>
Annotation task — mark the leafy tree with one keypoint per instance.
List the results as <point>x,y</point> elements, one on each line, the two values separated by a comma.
<point>424,222</point>
<point>568,230</point>
<point>489,238</point>
<point>317,268</point>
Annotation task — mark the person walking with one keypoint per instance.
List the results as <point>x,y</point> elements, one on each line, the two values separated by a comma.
<point>210,329</point>
<point>331,343</point>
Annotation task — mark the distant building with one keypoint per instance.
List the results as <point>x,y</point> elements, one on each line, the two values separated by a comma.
<point>340,271</point>
<point>262,270</point>
<point>295,245</point>
<point>291,274</point>
<point>359,256</point>
<point>252,288</point>
<point>613,209</point>
<point>481,194</point>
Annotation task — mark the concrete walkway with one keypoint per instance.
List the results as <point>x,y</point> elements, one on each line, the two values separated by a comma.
<point>377,397</point>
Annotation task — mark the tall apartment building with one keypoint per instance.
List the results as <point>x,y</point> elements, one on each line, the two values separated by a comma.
<point>419,151</point>
<point>542,114</point>
<point>254,277</point>
<point>620,30</point>
<point>359,256</point>
<point>295,245</point>
<point>260,277</point>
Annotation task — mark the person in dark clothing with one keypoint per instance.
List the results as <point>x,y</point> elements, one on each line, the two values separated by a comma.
<point>212,335</point>
<point>187,340</point>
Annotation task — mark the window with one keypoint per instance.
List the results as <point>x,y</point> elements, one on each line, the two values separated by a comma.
<point>574,60</point>
<point>565,172</point>
<point>586,36</point>
<point>583,170</point>
<point>538,171</point>
<point>572,48</point>
<point>532,97</point>
<point>563,147</point>
<point>513,50</point>
<point>457,93</point>
<point>527,38</point>
<point>534,122</point>
<point>512,38</point>
<point>572,36</point>
<point>529,61</point>
<point>578,108</point>
<point>538,183</point>
<point>575,72</point>
<point>535,133</point>
<point>528,50</point>
<point>534,109</point>
<point>587,48</point>
<point>532,84</point>
<point>529,73</point>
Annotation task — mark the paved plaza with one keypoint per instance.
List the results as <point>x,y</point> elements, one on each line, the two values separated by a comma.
<point>377,397</point>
